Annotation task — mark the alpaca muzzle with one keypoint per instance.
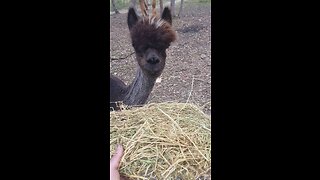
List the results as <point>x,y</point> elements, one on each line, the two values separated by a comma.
<point>153,60</point>
<point>152,57</point>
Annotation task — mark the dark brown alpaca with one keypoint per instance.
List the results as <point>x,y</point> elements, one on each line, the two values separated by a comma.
<point>150,36</point>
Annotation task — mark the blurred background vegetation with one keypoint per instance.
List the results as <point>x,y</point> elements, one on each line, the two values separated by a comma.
<point>124,4</point>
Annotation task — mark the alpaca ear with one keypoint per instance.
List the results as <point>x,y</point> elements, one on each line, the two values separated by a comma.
<point>132,17</point>
<point>166,15</point>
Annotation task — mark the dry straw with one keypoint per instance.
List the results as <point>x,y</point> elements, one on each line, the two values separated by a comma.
<point>162,141</point>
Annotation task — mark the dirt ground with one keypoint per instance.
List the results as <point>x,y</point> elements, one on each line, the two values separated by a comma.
<point>187,75</point>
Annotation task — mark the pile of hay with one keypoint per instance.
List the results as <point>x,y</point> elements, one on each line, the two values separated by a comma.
<point>162,141</point>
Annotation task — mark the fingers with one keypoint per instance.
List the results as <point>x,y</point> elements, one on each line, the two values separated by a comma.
<point>115,160</point>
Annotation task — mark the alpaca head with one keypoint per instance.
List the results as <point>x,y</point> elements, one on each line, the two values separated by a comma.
<point>151,36</point>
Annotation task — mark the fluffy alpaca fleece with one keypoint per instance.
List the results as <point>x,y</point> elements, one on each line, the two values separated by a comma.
<point>153,32</point>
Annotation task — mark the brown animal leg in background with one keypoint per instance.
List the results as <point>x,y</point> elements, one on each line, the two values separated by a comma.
<point>146,4</point>
<point>143,8</point>
<point>154,12</point>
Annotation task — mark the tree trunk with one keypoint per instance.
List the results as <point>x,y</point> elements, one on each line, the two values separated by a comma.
<point>161,5</point>
<point>180,10</point>
<point>114,7</point>
<point>173,7</point>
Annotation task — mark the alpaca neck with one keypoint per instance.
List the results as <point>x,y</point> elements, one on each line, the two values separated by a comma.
<point>139,90</point>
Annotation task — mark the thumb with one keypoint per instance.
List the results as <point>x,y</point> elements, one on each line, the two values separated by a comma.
<point>115,160</point>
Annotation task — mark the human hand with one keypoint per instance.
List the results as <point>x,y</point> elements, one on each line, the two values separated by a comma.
<point>115,162</point>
